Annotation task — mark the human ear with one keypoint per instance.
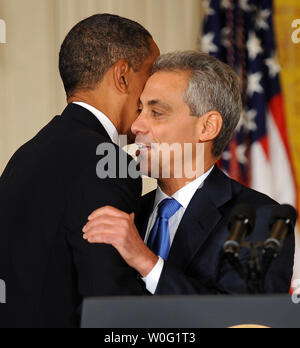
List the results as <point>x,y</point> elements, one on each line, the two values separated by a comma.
<point>120,76</point>
<point>209,126</point>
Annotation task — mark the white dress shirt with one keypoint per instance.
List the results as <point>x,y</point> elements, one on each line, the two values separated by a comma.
<point>104,120</point>
<point>184,197</point>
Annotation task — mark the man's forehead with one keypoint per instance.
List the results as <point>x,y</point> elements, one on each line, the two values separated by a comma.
<point>176,79</point>
<point>163,84</point>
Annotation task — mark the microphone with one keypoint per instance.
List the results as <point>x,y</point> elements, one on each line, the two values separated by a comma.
<point>282,223</point>
<point>241,224</point>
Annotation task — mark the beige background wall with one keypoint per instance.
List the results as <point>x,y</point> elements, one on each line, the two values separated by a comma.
<point>30,89</point>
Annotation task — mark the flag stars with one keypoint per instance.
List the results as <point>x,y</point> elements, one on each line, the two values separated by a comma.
<point>248,121</point>
<point>226,156</point>
<point>241,154</point>
<point>207,44</point>
<point>254,46</point>
<point>245,6</point>
<point>226,4</point>
<point>273,65</point>
<point>262,19</point>
<point>225,37</point>
<point>208,11</point>
<point>254,84</point>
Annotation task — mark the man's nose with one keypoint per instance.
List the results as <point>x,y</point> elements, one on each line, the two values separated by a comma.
<point>139,126</point>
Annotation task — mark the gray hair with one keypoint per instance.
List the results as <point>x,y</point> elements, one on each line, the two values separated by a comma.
<point>213,86</point>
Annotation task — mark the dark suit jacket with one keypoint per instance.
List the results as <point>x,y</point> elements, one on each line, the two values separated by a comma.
<point>196,264</point>
<point>47,191</point>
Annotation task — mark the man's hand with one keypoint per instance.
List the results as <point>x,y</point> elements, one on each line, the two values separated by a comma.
<point>109,225</point>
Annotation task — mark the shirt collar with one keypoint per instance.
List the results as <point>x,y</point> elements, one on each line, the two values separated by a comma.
<point>104,120</point>
<point>185,194</point>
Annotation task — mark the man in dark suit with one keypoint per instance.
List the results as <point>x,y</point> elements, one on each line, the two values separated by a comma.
<point>192,101</point>
<point>51,184</point>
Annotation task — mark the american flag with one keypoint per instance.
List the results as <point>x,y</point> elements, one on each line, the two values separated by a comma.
<point>241,34</point>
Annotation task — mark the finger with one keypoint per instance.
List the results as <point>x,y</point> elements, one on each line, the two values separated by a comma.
<point>102,230</point>
<point>99,229</point>
<point>101,239</point>
<point>105,219</point>
<point>108,210</point>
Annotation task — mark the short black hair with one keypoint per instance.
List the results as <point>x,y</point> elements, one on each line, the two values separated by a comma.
<point>96,44</point>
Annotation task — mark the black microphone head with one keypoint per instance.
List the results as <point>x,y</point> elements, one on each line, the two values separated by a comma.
<point>242,212</point>
<point>241,223</point>
<point>285,212</point>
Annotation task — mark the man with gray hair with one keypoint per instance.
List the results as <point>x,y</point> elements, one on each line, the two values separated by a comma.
<point>190,99</point>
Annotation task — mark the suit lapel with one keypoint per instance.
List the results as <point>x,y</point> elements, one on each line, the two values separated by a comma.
<point>200,218</point>
<point>145,212</point>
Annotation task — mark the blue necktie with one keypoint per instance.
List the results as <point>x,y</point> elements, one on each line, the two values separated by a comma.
<point>159,241</point>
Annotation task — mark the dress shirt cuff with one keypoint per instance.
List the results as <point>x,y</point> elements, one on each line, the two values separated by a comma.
<point>153,277</point>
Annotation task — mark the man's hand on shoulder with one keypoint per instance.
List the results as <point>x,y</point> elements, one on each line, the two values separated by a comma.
<point>109,225</point>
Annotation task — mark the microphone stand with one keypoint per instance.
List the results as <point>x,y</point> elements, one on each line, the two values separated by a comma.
<point>253,276</point>
<point>269,255</point>
<point>283,222</point>
<point>254,271</point>
<point>237,265</point>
